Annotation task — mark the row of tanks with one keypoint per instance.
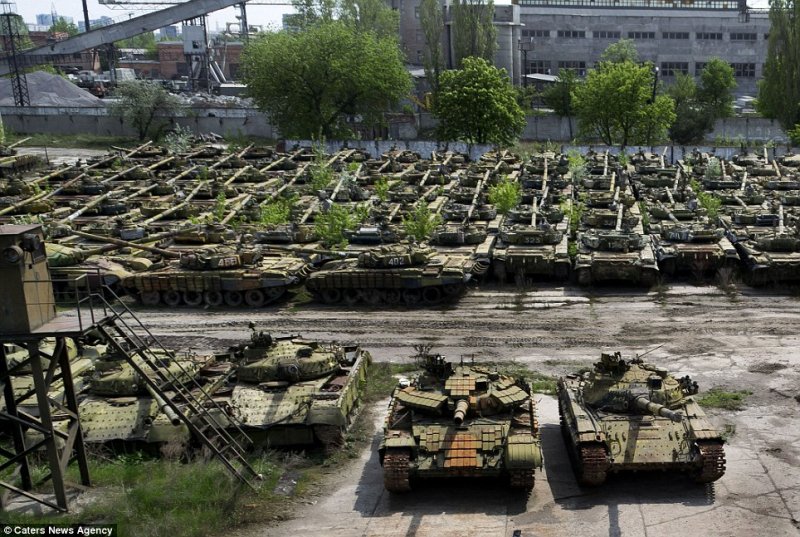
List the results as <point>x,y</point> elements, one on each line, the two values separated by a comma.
<point>213,227</point>
<point>450,420</point>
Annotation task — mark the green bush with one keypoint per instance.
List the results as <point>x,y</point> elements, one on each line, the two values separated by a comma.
<point>505,195</point>
<point>421,222</point>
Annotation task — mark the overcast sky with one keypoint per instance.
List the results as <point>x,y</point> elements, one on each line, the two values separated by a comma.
<point>263,15</point>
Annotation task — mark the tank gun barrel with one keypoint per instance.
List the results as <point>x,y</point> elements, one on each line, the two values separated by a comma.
<point>668,211</point>
<point>618,226</point>
<point>462,406</point>
<point>121,243</point>
<point>645,404</point>
<point>164,407</point>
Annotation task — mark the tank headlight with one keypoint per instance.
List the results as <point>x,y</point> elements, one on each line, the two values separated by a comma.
<point>12,255</point>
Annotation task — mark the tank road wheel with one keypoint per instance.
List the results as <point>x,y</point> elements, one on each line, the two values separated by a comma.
<point>192,298</point>
<point>172,298</point>
<point>412,297</point>
<point>393,296</point>
<point>712,457</point>
<point>233,299</point>
<point>522,479</point>
<point>592,464</point>
<point>273,293</point>
<point>451,290</point>
<point>331,296</point>
<point>351,297</point>
<point>254,298</point>
<point>396,470</point>
<point>213,298</point>
<point>432,295</point>
<point>150,298</point>
<point>373,297</point>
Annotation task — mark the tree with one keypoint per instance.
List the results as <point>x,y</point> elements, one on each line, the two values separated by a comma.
<point>477,104</point>
<point>474,34</point>
<point>363,15</point>
<point>61,25</point>
<point>779,90</point>
<point>616,104</point>
<point>716,86</point>
<point>692,119</point>
<point>421,222</point>
<point>622,51</point>
<point>505,195</point>
<point>559,96</point>
<point>431,19</point>
<point>309,82</point>
<point>144,106</point>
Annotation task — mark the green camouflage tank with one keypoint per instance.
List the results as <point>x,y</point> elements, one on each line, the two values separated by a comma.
<point>291,391</point>
<point>218,276</point>
<point>630,415</point>
<point>462,421</point>
<point>403,273</point>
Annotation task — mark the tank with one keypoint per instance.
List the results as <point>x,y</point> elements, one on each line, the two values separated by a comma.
<point>403,273</point>
<point>460,421</point>
<point>630,415</point>
<point>769,254</point>
<point>120,406</point>
<point>73,268</point>
<point>218,276</point>
<point>615,255</point>
<point>292,391</point>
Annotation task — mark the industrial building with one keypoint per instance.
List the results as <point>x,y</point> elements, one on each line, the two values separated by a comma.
<point>545,36</point>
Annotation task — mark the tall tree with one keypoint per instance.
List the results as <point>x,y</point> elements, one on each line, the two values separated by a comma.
<point>431,18</point>
<point>473,30</point>
<point>559,96</point>
<point>692,119</point>
<point>145,106</point>
<point>623,50</point>
<point>309,82</point>
<point>371,16</point>
<point>61,25</point>
<point>716,88</point>
<point>779,90</point>
<point>477,104</point>
<point>616,105</point>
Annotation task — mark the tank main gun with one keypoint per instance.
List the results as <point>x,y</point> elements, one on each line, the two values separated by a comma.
<point>460,412</point>
<point>643,403</point>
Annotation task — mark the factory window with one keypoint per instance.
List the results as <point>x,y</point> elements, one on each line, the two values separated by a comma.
<point>698,68</point>
<point>541,67</point>
<point>675,35</point>
<point>577,66</point>
<point>418,35</point>
<point>709,36</point>
<point>744,70</point>
<point>742,36</point>
<point>574,34</point>
<point>416,12</point>
<point>641,35</point>
<point>535,33</point>
<point>607,34</point>
<point>673,68</point>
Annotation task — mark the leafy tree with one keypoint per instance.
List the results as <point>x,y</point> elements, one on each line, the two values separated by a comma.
<point>371,16</point>
<point>421,222</point>
<point>505,195</point>
<point>431,19</point>
<point>477,104</point>
<point>616,105</point>
<point>277,212</point>
<point>382,189</point>
<point>692,119</point>
<point>474,34</point>
<point>61,25</point>
<point>559,96</point>
<point>145,106</point>
<point>219,206</point>
<point>779,90</point>
<point>622,51</point>
<point>716,84</point>
<point>331,226</point>
<point>309,82</point>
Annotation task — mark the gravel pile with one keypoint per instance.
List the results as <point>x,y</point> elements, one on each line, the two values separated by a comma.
<point>46,89</point>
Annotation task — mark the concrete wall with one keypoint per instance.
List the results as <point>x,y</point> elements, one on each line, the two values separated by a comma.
<point>251,122</point>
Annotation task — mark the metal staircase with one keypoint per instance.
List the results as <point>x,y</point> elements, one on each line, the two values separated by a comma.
<point>184,401</point>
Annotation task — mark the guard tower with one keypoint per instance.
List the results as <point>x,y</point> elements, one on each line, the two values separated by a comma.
<point>27,317</point>
<point>34,337</point>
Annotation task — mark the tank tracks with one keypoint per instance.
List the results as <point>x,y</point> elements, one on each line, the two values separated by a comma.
<point>713,457</point>
<point>396,470</point>
<point>593,464</point>
<point>522,479</point>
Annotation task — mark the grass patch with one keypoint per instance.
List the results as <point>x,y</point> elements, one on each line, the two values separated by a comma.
<point>540,382</point>
<point>720,398</point>
<point>72,141</point>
